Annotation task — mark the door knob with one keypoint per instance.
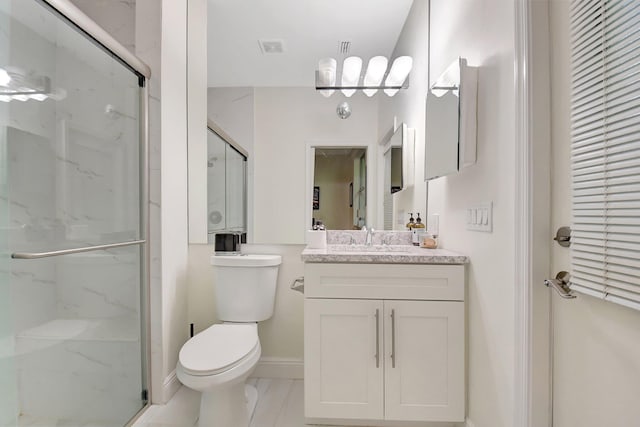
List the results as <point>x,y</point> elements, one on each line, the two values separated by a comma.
<point>561,285</point>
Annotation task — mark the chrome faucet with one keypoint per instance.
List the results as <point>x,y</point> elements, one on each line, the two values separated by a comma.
<point>370,232</point>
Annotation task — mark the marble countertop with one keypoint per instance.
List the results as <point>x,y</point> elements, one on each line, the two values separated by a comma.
<point>382,254</point>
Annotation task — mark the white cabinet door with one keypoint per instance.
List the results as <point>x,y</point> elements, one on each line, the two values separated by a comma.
<point>424,360</point>
<point>343,377</point>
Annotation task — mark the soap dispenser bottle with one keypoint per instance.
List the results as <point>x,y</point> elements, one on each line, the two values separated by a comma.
<point>418,231</point>
<point>411,222</point>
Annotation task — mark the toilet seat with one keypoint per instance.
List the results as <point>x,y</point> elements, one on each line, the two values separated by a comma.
<point>218,349</point>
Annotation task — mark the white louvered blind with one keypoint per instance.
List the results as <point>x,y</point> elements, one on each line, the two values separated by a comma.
<point>605,149</point>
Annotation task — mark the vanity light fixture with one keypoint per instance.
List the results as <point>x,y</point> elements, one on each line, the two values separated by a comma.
<point>20,86</point>
<point>449,80</point>
<point>396,78</point>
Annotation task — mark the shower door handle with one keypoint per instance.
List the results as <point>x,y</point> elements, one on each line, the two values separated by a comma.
<point>37,255</point>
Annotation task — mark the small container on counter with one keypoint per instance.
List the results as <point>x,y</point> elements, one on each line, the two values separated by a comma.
<point>316,239</point>
<point>428,241</point>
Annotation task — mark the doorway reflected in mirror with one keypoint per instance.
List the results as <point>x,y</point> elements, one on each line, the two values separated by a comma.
<point>341,173</point>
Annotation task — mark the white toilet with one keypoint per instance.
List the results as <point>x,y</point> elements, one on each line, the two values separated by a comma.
<point>218,360</point>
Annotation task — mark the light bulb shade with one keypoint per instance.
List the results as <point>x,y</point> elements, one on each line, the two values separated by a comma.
<point>5,78</point>
<point>375,73</point>
<point>351,69</point>
<point>400,69</point>
<point>38,97</point>
<point>327,75</point>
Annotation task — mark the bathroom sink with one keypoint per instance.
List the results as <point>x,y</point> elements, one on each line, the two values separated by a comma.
<point>367,248</point>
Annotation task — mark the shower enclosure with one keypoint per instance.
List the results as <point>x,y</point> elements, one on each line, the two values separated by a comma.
<point>73,227</point>
<point>226,184</point>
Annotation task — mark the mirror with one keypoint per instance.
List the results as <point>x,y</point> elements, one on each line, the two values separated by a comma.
<point>348,167</point>
<point>226,184</point>
<point>340,188</point>
<point>450,141</point>
<point>398,159</point>
<point>266,100</point>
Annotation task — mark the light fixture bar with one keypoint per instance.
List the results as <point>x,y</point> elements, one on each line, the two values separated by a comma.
<point>29,92</point>
<point>445,87</point>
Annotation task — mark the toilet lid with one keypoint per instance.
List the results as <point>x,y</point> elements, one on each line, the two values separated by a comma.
<point>218,348</point>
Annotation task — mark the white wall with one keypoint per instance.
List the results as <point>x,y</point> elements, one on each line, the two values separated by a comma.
<point>286,119</point>
<point>117,17</point>
<point>483,32</point>
<point>175,329</point>
<point>197,119</point>
<point>596,343</point>
<point>408,106</point>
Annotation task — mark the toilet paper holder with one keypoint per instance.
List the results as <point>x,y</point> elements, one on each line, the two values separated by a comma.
<point>298,284</point>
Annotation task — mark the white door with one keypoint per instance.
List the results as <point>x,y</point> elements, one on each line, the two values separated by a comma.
<point>424,360</point>
<point>596,344</point>
<point>343,361</point>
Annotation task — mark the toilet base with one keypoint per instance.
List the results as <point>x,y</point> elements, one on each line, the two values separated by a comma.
<point>228,407</point>
<point>224,407</point>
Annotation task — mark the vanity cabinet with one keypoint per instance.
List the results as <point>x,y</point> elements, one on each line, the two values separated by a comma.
<point>398,356</point>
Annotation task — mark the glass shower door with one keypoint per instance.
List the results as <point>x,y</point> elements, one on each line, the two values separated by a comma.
<point>72,258</point>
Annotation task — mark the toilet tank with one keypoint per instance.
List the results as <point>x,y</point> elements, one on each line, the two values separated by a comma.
<point>245,286</point>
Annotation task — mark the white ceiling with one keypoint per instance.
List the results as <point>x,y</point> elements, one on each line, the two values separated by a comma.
<point>310,30</point>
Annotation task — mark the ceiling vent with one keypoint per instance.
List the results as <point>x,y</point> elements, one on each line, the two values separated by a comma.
<point>344,48</point>
<point>271,46</point>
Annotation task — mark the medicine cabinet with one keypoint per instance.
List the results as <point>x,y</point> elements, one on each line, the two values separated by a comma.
<point>451,120</point>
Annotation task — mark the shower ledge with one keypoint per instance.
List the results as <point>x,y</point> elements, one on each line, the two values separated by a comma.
<point>57,331</point>
<point>107,329</point>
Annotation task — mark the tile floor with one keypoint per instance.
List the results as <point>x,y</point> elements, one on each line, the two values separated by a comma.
<point>280,404</point>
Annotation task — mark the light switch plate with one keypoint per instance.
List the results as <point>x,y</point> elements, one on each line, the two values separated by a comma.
<point>480,217</point>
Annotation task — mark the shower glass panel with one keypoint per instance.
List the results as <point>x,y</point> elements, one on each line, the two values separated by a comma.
<point>235,189</point>
<point>216,181</point>
<point>72,347</point>
<point>226,187</point>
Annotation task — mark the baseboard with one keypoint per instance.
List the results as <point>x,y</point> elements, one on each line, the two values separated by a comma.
<point>277,367</point>
<point>170,386</point>
<point>375,423</point>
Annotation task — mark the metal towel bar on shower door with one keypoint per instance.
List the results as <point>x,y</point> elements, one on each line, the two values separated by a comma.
<point>37,255</point>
